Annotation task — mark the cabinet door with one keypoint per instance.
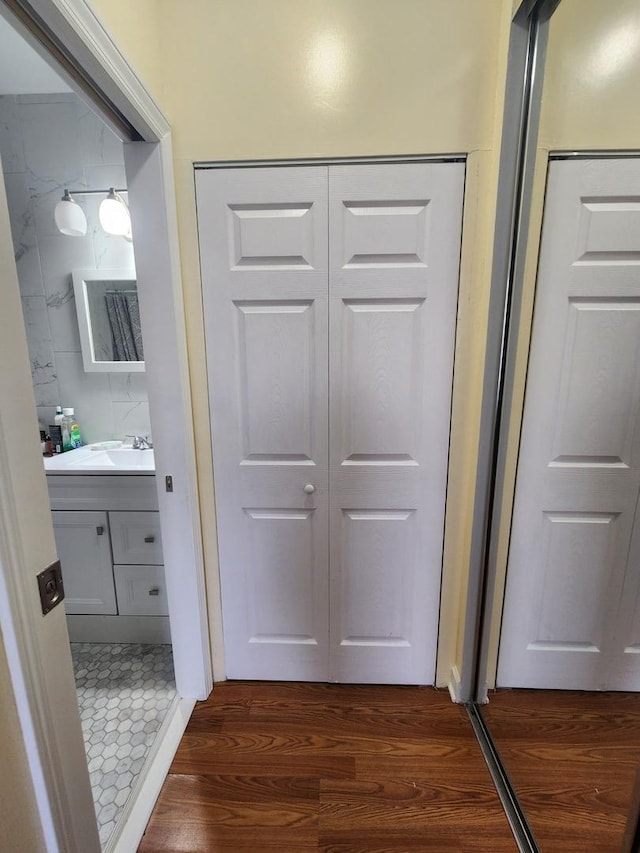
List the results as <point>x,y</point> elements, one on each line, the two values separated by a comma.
<point>82,540</point>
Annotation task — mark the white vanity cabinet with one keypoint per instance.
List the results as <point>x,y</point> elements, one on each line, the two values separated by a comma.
<point>108,539</point>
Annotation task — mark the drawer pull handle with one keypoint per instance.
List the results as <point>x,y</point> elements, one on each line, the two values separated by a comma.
<point>100,530</point>
<point>154,590</point>
<point>149,538</point>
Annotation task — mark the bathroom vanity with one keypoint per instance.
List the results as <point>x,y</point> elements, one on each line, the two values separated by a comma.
<point>106,524</point>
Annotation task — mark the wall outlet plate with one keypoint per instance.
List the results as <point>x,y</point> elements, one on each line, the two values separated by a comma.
<point>50,587</point>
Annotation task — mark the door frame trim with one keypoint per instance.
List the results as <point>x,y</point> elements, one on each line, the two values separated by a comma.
<point>525,74</point>
<point>331,161</point>
<point>608,154</point>
<point>72,31</point>
<point>73,26</point>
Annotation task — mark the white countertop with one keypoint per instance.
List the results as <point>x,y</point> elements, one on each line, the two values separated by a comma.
<point>106,457</point>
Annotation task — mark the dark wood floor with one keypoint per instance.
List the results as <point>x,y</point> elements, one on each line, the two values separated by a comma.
<point>572,758</point>
<point>333,768</point>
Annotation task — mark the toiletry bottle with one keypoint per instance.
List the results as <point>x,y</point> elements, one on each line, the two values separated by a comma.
<point>59,416</point>
<point>56,437</point>
<point>71,437</point>
<point>74,432</point>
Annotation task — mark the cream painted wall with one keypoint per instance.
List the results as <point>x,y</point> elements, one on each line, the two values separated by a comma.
<point>136,23</point>
<point>592,77</point>
<point>244,79</point>
<point>592,80</point>
<point>20,829</point>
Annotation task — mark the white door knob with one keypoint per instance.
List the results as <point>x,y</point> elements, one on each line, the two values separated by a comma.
<point>309,489</point>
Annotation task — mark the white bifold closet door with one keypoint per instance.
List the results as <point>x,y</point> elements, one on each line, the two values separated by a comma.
<point>572,609</point>
<point>330,298</point>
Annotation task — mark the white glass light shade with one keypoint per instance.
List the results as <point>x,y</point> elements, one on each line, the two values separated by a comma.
<point>114,215</point>
<point>70,218</point>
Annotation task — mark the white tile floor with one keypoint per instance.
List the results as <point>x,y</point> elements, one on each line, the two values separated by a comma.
<point>124,693</point>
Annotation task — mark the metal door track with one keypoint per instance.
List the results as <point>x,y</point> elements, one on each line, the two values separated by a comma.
<point>510,803</point>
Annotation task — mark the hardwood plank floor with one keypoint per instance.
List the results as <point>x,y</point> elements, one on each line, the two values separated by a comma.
<point>333,768</point>
<point>572,758</point>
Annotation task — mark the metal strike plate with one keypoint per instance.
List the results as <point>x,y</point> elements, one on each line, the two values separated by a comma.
<point>50,587</point>
<point>168,483</point>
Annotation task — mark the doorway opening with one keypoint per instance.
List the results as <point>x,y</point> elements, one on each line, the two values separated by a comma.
<point>105,515</point>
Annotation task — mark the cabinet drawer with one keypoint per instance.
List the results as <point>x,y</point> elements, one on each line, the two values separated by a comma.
<point>141,590</point>
<point>135,537</point>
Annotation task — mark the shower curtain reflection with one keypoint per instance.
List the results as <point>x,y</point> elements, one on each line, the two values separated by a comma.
<point>124,319</point>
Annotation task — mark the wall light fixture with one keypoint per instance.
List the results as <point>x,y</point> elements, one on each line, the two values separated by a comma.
<point>113,213</point>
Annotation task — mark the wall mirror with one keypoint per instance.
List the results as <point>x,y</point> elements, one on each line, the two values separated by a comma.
<point>109,320</point>
<point>562,632</point>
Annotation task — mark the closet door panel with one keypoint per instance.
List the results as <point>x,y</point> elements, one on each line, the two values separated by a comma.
<point>394,246</point>
<point>571,605</point>
<point>263,244</point>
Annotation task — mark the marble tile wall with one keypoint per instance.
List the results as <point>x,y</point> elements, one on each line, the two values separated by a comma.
<point>49,142</point>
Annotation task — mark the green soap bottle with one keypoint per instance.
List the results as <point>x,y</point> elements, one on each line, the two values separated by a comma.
<point>71,437</point>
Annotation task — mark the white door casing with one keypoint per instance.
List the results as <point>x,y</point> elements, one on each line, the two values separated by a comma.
<point>360,350</point>
<point>572,599</point>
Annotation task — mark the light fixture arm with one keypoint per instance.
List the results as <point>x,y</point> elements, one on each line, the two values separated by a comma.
<point>93,192</point>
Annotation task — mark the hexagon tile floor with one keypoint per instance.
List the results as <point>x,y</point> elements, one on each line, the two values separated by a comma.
<point>124,693</point>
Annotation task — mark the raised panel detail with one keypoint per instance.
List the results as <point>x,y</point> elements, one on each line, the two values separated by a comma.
<point>386,233</point>
<point>280,574</point>
<point>376,586</point>
<point>600,384</point>
<point>269,237</point>
<point>275,343</point>
<point>609,229</point>
<point>383,380</point>
<point>579,556</point>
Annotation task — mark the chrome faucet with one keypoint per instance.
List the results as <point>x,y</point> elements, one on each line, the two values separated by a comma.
<point>141,442</point>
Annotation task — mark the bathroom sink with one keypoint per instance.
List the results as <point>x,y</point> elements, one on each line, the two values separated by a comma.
<point>107,456</point>
<point>121,458</point>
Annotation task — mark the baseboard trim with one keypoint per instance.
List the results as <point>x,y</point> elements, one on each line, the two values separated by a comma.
<point>135,817</point>
<point>119,629</point>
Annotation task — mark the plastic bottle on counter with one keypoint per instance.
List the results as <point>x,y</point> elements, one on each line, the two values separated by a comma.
<point>71,437</point>
<point>59,416</point>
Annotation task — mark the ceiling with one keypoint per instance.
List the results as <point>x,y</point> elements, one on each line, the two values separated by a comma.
<point>22,70</point>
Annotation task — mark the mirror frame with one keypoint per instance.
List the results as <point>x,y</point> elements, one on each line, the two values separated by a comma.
<point>81,278</point>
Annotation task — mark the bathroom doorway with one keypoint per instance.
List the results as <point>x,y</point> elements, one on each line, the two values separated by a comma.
<point>106,516</point>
